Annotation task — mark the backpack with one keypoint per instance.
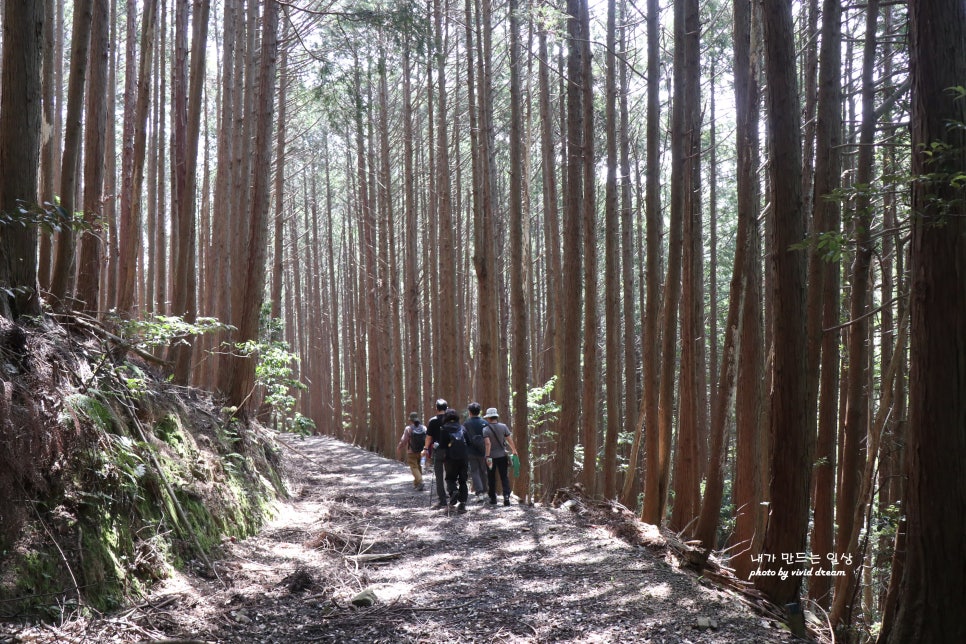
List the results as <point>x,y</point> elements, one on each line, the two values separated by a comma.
<point>475,435</point>
<point>417,438</point>
<point>457,449</point>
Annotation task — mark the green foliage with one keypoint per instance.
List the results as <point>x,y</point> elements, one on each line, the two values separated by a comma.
<point>541,407</point>
<point>274,371</point>
<point>85,406</point>
<point>163,330</point>
<point>49,217</point>
<point>542,411</point>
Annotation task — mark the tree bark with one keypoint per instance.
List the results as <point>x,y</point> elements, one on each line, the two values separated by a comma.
<point>91,254</point>
<point>20,118</point>
<point>252,270</point>
<point>62,278</point>
<point>933,580</point>
<point>791,451</point>
<point>823,297</point>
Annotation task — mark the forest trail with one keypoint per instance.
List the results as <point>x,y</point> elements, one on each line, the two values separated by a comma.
<point>494,574</point>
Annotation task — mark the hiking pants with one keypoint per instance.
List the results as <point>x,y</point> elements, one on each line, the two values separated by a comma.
<point>456,472</point>
<point>499,465</point>
<point>413,460</point>
<point>478,473</point>
<point>439,455</point>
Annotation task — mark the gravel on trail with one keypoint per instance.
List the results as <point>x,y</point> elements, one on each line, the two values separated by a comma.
<point>355,530</point>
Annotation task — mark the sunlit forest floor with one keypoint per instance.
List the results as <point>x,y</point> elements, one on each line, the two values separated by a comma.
<point>494,574</point>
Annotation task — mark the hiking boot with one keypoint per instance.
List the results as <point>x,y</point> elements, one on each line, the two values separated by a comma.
<point>506,501</point>
<point>420,487</point>
<point>461,508</point>
<point>439,506</point>
<point>493,501</point>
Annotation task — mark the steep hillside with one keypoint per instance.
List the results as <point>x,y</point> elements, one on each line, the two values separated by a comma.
<point>112,477</point>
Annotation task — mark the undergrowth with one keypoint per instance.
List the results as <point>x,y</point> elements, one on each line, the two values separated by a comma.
<point>106,485</point>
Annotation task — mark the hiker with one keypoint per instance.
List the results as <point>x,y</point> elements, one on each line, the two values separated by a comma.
<point>453,438</point>
<point>498,446</point>
<point>413,440</point>
<point>474,426</point>
<point>438,453</point>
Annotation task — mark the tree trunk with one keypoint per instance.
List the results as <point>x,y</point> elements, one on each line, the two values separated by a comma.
<point>933,583</point>
<point>856,429</point>
<point>519,262</point>
<point>252,269</point>
<point>568,367</point>
<point>653,510</point>
<point>184,296</point>
<point>62,278</point>
<point>89,266</point>
<point>791,451</point>
<point>591,368</point>
<point>612,281</point>
<point>823,297</point>
<point>129,233</point>
<point>20,119</point>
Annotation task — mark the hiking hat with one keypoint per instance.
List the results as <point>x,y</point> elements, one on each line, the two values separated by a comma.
<point>441,404</point>
<point>492,413</point>
<point>474,408</point>
<point>413,416</point>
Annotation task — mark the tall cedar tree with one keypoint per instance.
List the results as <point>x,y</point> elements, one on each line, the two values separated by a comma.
<point>650,405</point>
<point>568,366</point>
<point>247,305</point>
<point>20,106</point>
<point>748,488</point>
<point>823,297</point>
<point>791,448</point>
<point>91,255</point>
<point>62,279</point>
<point>933,580</point>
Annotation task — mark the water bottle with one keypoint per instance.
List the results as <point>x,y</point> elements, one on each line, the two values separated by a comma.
<point>422,463</point>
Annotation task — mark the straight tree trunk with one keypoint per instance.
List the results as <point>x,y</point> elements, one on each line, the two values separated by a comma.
<point>20,119</point>
<point>633,482</point>
<point>612,281</point>
<point>447,378</point>
<point>856,429</point>
<point>48,151</point>
<point>659,465</point>
<point>252,269</point>
<point>653,507</point>
<point>519,261</point>
<point>933,581</point>
<point>91,254</point>
<point>791,451</point>
<point>184,297</point>
<point>823,298</point>
<point>568,366</point>
<point>687,466</point>
<point>591,368</point>
<point>129,233</point>
<point>62,278</point>
<point>411,262</point>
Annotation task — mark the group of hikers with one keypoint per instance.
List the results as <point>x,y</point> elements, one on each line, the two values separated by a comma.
<point>476,450</point>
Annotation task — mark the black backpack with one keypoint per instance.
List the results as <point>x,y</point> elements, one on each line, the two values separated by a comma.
<point>455,442</point>
<point>474,432</point>
<point>417,438</point>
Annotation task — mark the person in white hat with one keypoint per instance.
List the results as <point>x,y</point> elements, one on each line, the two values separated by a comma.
<point>499,445</point>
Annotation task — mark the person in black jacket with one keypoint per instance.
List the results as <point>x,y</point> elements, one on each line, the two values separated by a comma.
<point>453,438</point>
<point>437,451</point>
<point>474,426</point>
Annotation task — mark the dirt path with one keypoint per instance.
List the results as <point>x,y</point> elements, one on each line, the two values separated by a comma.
<point>494,574</point>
